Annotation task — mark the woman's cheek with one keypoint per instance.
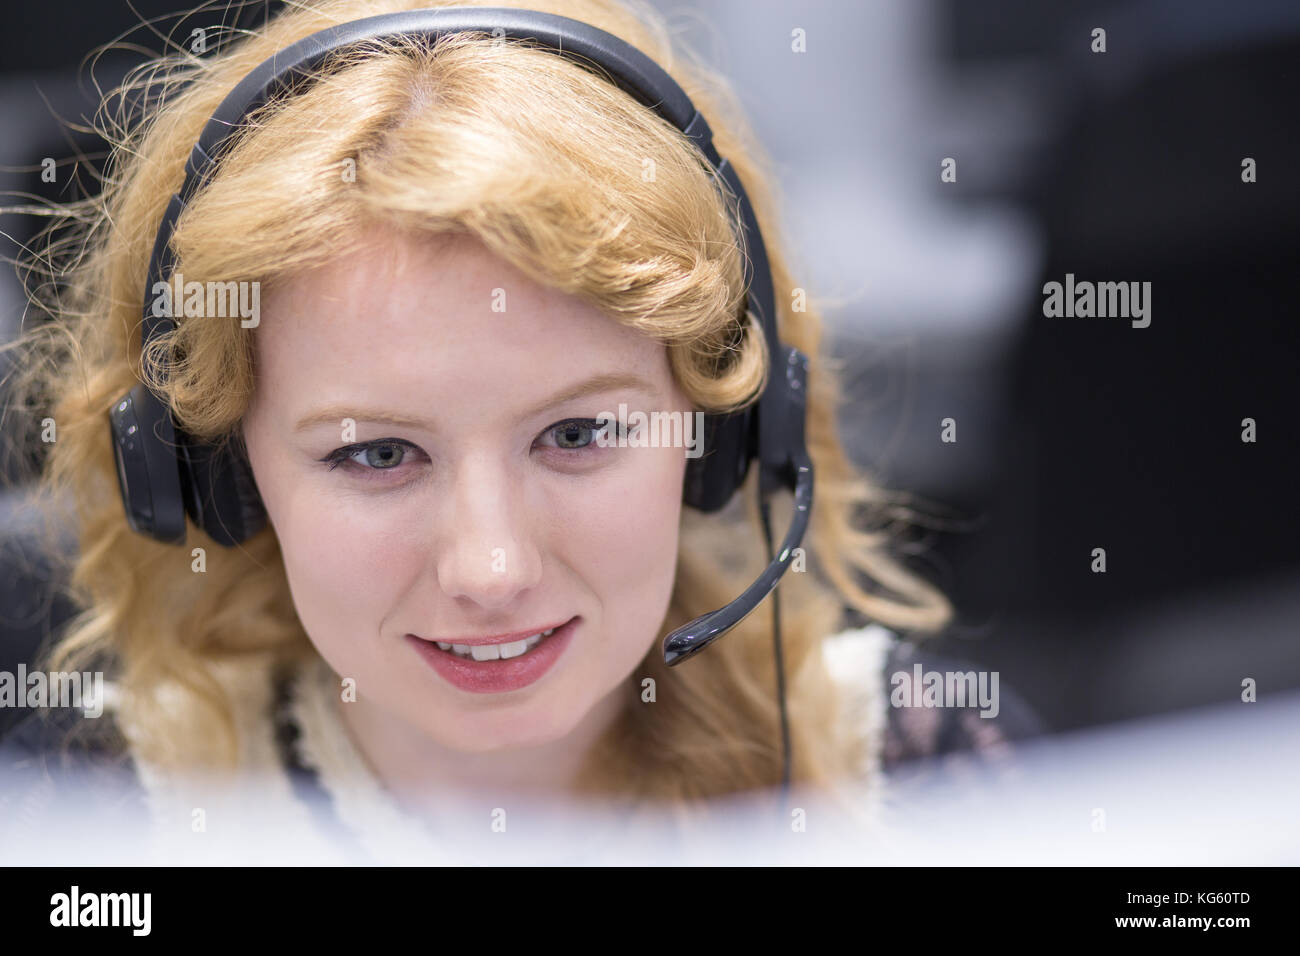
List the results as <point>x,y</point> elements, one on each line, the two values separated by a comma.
<point>630,546</point>
<point>341,560</point>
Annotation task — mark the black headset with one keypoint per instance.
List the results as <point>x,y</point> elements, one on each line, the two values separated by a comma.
<point>164,474</point>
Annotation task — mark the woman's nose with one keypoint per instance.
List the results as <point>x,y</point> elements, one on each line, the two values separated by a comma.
<point>488,553</point>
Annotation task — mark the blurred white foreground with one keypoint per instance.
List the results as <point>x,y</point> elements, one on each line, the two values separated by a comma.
<point>1214,786</point>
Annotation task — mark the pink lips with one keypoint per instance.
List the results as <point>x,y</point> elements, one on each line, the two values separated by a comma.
<point>499,676</point>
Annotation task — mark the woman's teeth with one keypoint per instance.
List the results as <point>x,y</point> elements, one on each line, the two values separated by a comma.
<point>492,652</point>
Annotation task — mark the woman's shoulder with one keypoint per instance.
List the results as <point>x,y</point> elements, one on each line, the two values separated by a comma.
<point>55,756</point>
<point>63,738</point>
<point>933,704</point>
<point>53,759</point>
<point>58,766</point>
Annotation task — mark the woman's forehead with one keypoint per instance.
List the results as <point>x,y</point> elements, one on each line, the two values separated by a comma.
<point>403,316</point>
<point>403,291</point>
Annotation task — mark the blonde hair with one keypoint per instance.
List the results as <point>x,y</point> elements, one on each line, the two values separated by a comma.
<point>541,160</point>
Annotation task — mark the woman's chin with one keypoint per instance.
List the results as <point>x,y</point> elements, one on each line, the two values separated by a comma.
<point>521,732</point>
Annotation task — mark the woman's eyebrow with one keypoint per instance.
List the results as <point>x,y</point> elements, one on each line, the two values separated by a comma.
<point>603,382</point>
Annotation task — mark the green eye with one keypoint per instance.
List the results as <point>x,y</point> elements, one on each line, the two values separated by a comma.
<point>579,433</point>
<point>384,454</point>
<point>387,455</point>
<point>574,435</point>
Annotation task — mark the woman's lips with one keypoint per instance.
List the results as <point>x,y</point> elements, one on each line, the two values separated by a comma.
<point>474,640</point>
<point>502,675</point>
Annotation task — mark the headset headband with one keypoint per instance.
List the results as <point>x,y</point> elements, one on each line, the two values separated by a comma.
<point>621,63</point>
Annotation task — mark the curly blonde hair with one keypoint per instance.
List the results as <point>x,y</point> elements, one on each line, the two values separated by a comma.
<point>540,159</point>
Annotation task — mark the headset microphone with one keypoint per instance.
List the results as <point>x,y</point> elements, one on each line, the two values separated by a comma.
<point>165,474</point>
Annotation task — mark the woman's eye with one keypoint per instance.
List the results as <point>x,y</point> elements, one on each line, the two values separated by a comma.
<point>579,433</point>
<point>383,455</point>
<point>389,454</point>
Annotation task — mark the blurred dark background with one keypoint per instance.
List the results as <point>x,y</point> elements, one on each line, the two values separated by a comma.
<point>1072,433</point>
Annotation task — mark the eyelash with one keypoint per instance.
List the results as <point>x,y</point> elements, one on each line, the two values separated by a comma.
<point>348,453</point>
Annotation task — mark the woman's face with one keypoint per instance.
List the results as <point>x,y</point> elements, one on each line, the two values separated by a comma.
<point>471,515</point>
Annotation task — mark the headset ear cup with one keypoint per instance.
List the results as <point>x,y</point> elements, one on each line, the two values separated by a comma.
<point>151,480</point>
<point>252,512</point>
<point>225,502</point>
<point>727,447</point>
